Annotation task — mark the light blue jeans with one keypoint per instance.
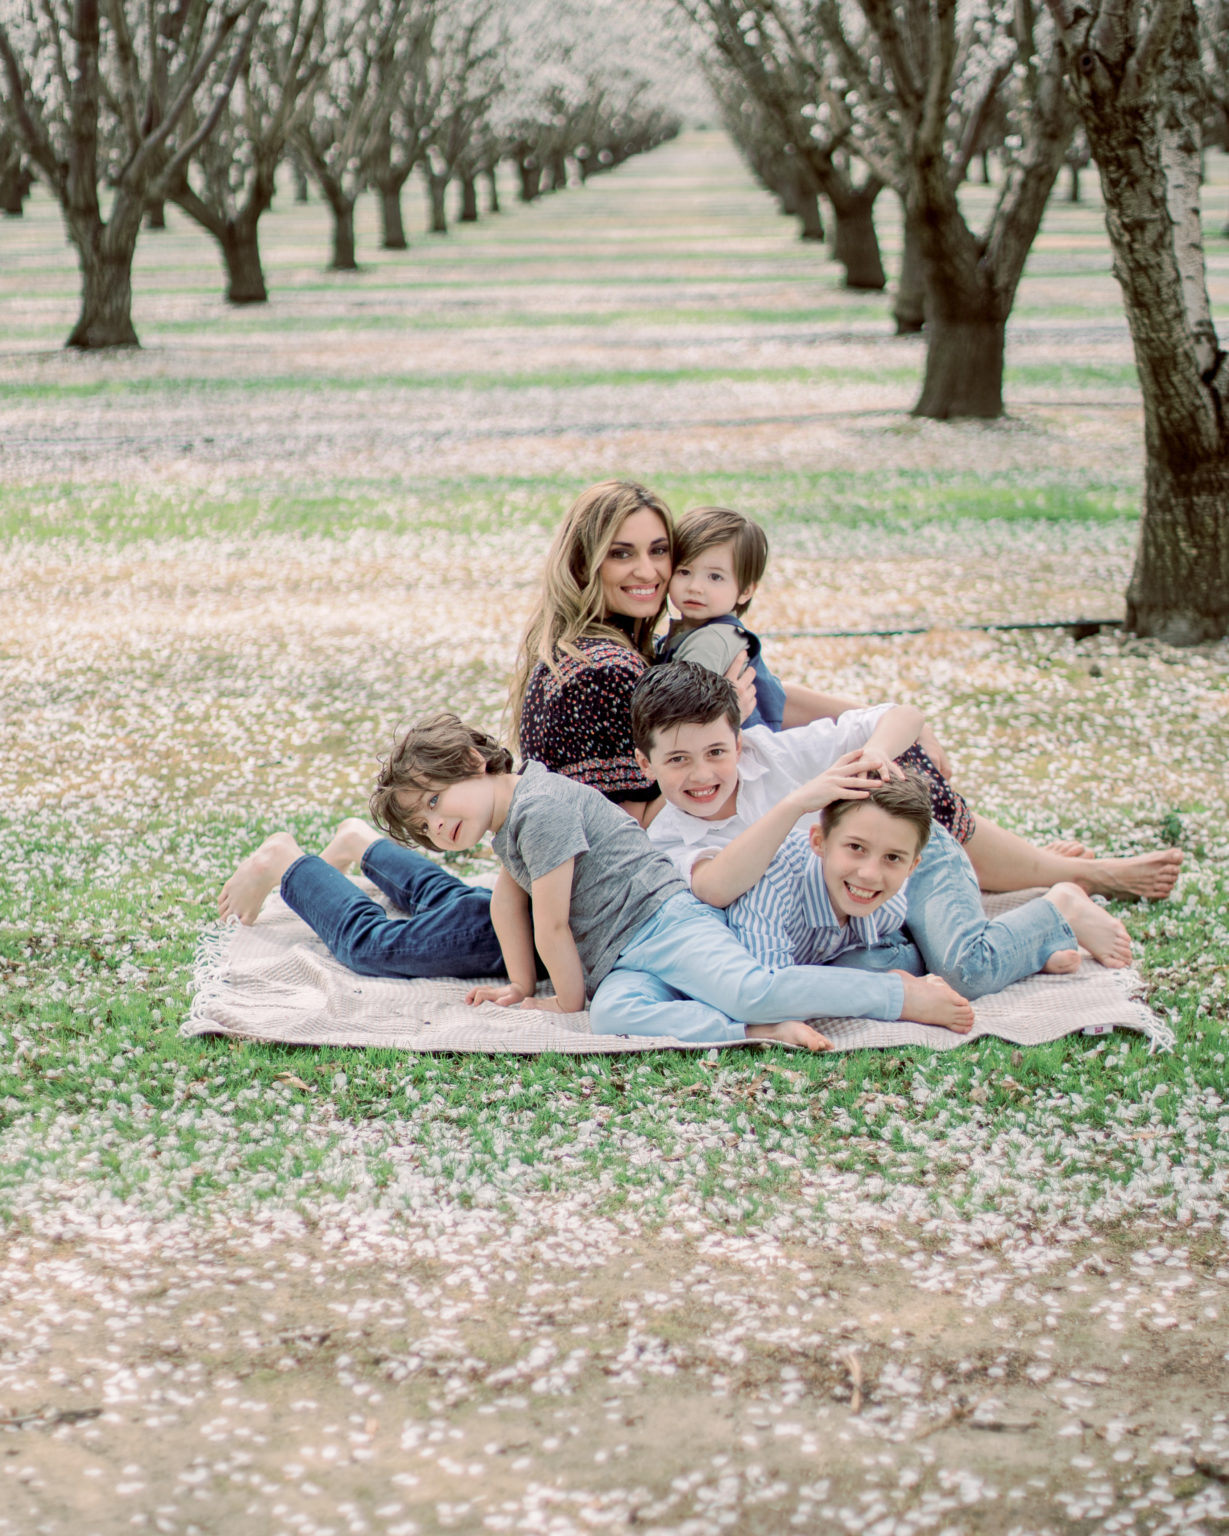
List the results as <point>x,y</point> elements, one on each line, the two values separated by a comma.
<point>683,973</point>
<point>954,938</point>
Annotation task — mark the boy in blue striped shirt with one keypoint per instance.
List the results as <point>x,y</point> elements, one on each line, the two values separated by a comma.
<point>842,885</point>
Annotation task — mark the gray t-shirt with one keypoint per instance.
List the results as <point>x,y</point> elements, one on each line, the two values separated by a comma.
<point>619,880</point>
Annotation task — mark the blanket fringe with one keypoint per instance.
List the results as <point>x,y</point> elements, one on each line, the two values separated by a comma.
<point>1159,1035</point>
<point>209,967</point>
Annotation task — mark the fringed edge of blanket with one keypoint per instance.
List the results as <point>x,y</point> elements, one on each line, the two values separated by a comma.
<point>208,975</point>
<point>1159,1035</point>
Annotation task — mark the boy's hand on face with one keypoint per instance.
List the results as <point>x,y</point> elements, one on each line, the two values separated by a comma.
<point>508,995</point>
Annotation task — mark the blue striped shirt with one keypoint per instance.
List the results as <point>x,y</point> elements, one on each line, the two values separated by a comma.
<point>787,917</point>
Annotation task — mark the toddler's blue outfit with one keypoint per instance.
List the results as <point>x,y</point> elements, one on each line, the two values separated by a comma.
<point>714,645</point>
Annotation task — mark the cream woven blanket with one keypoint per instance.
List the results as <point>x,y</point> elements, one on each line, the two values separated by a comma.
<point>276,982</point>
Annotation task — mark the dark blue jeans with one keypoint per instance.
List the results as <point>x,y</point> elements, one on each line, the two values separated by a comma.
<point>448,931</point>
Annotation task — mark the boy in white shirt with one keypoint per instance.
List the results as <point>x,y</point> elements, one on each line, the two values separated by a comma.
<point>733,797</point>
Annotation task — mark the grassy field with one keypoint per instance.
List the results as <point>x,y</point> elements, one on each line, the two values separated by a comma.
<point>233,561</point>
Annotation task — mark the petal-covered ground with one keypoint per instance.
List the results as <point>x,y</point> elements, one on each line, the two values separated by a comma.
<point>264,1291</point>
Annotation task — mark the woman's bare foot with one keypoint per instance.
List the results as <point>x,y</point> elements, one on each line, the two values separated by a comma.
<point>1151,875</point>
<point>1102,935</point>
<point>244,893</point>
<point>1066,849</point>
<point>791,1032</point>
<point>1063,962</point>
<point>348,843</point>
<point>929,1000</point>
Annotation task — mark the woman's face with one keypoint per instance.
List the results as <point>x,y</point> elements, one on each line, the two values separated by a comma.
<point>636,571</point>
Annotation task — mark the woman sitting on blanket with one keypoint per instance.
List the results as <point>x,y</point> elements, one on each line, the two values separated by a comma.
<point>586,646</point>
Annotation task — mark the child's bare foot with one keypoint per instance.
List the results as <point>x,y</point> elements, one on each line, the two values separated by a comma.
<point>791,1032</point>
<point>244,893</point>
<point>1102,935</point>
<point>1069,849</point>
<point>929,1000</point>
<point>348,843</point>
<point>1151,875</point>
<point>1063,962</point>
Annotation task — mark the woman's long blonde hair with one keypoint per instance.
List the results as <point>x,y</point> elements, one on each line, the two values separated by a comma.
<point>570,604</point>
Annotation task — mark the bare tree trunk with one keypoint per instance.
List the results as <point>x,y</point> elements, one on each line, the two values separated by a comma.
<point>803,203</point>
<point>909,307</point>
<point>469,200</point>
<point>1073,182</point>
<point>964,364</point>
<point>342,209</point>
<point>300,181</point>
<point>1179,589</point>
<point>245,277</point>
<point>531,178</point>
<point>436,188</point>
<point>491,177</point>
<point>558,172</point>
<point>106,288</point>
<point>857,245</point>
<point>155,214</point>
<point>391,223</point>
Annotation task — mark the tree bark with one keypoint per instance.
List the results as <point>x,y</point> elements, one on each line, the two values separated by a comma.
<point>437,186</point>
<point>391,222</point>
<point>245,277</point>
<point>491,177</point>
<point>344,258</point>
<point>1073,182</point>
<point>469,200</point>
<point>964,364</point>
<point>1179,589</point>
<point>155,214</point>
<point>857,245</point>
<point>804,205</point>
<point>106,290</point>
<point>909,307</point>
<point>530,173</point>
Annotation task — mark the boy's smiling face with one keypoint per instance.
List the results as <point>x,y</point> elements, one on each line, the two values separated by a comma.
<point>706,587</point>
<point>867,856</point>
<point>696,767</point>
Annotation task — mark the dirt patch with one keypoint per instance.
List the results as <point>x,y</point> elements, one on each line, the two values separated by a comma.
<point>678,1387</point>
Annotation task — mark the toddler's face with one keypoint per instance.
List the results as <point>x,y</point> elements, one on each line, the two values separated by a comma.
<point>867,856</point>
<point>456,816</point>
<point>696,768</point>
<point>707,587</point>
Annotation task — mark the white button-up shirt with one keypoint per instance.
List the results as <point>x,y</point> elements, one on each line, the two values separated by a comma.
<point>772,764</point>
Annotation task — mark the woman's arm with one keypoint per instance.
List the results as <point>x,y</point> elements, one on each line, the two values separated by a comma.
<point>513,929</point>
<point>802,705</point>
<point>552,932</point>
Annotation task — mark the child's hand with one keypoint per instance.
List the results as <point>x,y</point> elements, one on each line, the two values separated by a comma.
<point>743,677</point>
<point>507,995</point>
<point>543,1004</point>
<point>846,779</point>
<point>872,762</point>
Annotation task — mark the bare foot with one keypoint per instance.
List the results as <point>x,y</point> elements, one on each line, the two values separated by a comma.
<point>1069,849</point>
<point>1102,935</point>
<point>929,1000</point>
<point>348,843</point>
<point>1063,962</point>
<point>1151,875</point>
<point>244,893</point>
<point>791,1032</point>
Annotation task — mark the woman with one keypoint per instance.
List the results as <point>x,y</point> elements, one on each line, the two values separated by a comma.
<point>589,641</point>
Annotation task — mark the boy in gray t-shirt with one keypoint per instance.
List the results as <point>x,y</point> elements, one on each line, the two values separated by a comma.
<point>608,914</point>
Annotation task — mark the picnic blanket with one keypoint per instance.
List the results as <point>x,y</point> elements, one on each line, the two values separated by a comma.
<point>276,982</point>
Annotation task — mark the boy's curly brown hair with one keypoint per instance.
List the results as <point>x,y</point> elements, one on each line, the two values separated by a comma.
<point>429,755</point>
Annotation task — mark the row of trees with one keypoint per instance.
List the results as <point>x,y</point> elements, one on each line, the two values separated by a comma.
<point>121,106</point>
<point>845,97</point>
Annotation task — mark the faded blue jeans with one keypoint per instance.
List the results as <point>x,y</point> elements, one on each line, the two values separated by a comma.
<point>953,938</point>
<point>448,931</point>
<point>683,973</point>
